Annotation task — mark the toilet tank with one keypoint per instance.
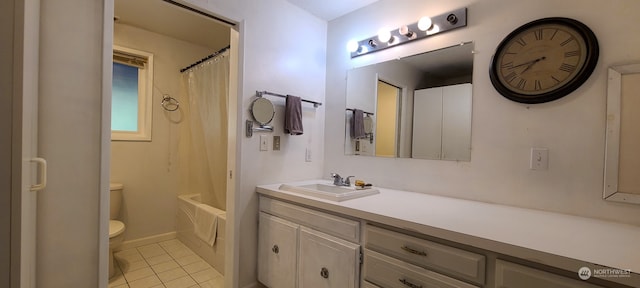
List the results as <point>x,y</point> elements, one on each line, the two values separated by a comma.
<point>115,200</point>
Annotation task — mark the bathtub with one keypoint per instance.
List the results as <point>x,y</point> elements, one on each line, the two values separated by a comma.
<point>185,232</point>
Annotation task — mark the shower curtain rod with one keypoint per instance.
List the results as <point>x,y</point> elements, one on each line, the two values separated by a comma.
<point>205,59</point>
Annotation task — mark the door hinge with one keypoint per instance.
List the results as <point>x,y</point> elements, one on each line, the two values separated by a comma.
<point>361,257</point>
<point>230,174</point>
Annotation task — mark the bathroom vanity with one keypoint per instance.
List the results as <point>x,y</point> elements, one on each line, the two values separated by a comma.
<point>405,239</point>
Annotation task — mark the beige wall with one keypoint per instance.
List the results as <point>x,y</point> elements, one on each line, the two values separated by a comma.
<point>387,108</point>
<point>150,170</point>
<point>572,128</point>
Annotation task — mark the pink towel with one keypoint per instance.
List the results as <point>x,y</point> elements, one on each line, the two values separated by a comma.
<point>293,115</point>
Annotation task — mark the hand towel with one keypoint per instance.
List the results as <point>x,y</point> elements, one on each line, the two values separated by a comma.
<point>357,124</point>
<point>293,115</point>
<point>205,223</point>
<point>368,124</point>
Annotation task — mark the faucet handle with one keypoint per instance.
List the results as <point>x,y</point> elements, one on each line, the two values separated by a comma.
<point>347,182</point>
<point>337,180</point>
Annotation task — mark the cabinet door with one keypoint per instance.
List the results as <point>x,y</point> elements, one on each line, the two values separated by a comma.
<point>427,124</point>
<point>456,122</point>
<point>326,261</point>
<point>277,252</point>
<point>510,275</point>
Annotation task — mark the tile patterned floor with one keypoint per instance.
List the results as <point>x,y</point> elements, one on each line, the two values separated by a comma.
<point>168,264</point>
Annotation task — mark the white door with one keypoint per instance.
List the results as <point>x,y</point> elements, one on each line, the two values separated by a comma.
<point>456,122</point>
<point>427,124</point>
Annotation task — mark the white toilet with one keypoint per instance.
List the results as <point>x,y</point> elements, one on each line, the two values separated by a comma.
<point>116,227</point>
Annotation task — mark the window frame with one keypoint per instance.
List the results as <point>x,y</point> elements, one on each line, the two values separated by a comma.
<point>145,99</point>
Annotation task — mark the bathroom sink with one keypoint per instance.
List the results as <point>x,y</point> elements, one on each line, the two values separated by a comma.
<point>330,192</point>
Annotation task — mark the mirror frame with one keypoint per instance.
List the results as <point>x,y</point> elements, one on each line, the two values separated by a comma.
<point>253,111</point>
<point>612,144</point>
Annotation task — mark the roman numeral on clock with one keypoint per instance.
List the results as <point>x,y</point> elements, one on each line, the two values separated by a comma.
<point>567,67</point>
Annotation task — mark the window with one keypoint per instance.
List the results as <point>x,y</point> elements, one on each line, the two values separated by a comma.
<point>131,95</point>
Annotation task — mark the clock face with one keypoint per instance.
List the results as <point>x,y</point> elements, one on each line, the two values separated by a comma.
<point>544,60</point>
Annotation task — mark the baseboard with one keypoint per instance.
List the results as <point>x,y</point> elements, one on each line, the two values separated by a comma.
<point>147,240</point>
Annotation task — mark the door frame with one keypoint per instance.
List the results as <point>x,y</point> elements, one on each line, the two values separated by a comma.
<point>233,145</point>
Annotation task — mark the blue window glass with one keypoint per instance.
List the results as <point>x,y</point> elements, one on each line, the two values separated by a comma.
<point>124,98</point>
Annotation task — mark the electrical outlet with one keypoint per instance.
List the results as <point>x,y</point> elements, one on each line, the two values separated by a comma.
<point>264,141</point>
<point>539,159</point>
<point>276,143</point>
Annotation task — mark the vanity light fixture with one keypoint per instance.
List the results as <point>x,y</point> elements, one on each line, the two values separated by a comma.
<point>425,27</point>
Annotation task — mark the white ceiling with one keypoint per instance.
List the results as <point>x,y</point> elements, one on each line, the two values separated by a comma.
<point>331,9</point>
<point>167,19</point>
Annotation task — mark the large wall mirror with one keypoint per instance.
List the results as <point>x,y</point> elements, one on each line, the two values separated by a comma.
<point>413,107</point>
<point>622,160</point>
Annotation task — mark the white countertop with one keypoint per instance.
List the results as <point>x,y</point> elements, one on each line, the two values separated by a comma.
<point>500,228</point>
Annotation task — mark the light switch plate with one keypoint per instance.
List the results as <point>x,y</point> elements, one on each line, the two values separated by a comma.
<point>264,141</point>
<point>539,159</point>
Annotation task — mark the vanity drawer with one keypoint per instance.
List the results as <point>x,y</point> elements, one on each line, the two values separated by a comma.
<point>511,275</point>
<point>449,260</point>
<point>388,272</point>
<point>333,225</point>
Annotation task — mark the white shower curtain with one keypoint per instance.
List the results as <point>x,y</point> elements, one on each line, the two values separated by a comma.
<point>203,136</point>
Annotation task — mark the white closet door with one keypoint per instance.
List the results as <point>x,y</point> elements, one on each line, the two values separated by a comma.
<point>427,124</point>
<point>456,122</point>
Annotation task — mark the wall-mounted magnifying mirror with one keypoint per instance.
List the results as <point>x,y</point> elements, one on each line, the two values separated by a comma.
<point>622,160</point>
<point>262,111</point>
<point>420,106</point>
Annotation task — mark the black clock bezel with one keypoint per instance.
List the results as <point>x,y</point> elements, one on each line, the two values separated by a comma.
<point>581,76</point>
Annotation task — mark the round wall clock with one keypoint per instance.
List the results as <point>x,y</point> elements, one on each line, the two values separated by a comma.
<point>544,60</point>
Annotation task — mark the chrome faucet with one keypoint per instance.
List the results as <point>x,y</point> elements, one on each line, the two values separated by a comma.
<point>339,181</point>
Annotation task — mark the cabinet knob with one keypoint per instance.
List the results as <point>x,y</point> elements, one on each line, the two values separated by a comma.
<point>324,273</point>
<point>275,249</point>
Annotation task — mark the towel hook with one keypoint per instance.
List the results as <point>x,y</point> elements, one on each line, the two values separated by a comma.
<point>169,103</point>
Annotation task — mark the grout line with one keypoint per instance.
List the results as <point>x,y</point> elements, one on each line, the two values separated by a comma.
<point>172,258</point>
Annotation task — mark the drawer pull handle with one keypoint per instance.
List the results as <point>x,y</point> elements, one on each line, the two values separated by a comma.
<point>414,251</point>
<point>275,249</point>
<point>409,284</point>
<point>324,273</point>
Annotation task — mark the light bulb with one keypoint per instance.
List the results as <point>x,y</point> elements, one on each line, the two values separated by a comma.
<point>384,35</point>
<point>404,30</point>
<point>352,46</point>
<point>435,29</point>
<point>424,23</point>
